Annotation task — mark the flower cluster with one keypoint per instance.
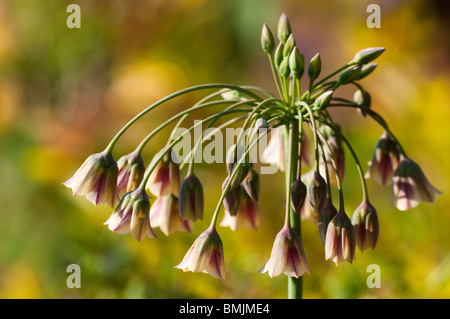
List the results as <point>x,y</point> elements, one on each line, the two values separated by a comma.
<point>306,144</point>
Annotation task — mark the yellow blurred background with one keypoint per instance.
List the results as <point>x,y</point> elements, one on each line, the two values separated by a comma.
<point>64,93</point>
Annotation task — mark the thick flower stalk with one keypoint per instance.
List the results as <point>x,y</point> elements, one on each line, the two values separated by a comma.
<point>304,137</point>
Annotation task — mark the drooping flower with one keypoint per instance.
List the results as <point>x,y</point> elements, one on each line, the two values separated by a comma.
<point>252,184</point>
<point>165,178</point>
<point>205,255</point>
<point>132,215</point>
<point>365,222</point>
<point>334,141</point>
<point>131,171</point>
<point>410,185</point>
<point>232,198</point>
<point>287,255</point>
<point>165,214</point>
<point>247,215</point>
<point>274,153</point>
<point>384,160</point>
<point>191,200</point>
<point>96,179</point>
<point>340,239</point>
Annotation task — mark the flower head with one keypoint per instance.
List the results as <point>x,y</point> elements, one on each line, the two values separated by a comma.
<point>96,179</point>
<point>247,215</point>
<point>365,222</point>
<point>165,178</point>
<point>131,171</point>
<point>410,185</point>
<point>205,255</point>
<point>165,214</point>
<point>340,239</point>
<point>384,160</point>
<point>132,215</point>
<point>287,255</point>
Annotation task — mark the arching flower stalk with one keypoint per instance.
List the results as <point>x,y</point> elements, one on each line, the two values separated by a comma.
<point>166,196</point>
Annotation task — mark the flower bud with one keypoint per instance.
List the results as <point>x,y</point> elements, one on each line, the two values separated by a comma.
<point>411,185</point>
<point>340,239</point>
<point>366,69</point>
<point>261,124</point>
<point>232,198</point>
<point>191,200</point>
<point>298,195</point>
<point>315,67</point>
<point>284,28</point>
<point>284,68</point>
<point>326,214</point>
<point>317,192</point>
<point>165,214</point>
<point>384,160</point>
<point>368,55</point>
<point>267,41</point>
<point>96,179</point>
<point>365,222</point>
<point>205,255</point>
<point>131,171</point>
<point>349,74</point>
<point>289,45</point>
<point>296,63</point>
<point>334,140</point>
<point>287,255</point>
<point>278,56</point>
<point>363,99</point>
<point>132,215</point>
<point>252,184</point>
<point>323,100</point>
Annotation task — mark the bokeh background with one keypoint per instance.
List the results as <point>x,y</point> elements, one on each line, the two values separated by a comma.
<point>64,93</point>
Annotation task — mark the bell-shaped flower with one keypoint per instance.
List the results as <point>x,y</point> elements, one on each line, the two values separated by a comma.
<point>247,215</point>
<point>232,198</point>
<point>205,255</point>
<point>165,178</point>
<point>165,214</point>
<point>287,255</point>
<point>340,239</point>
<point>365,222</point>
<point>132,216</point>
<point>191,200</point>
<point>410,186</point>
<point>384,161</point>
<point>252,184</point>
<point>131,172</point>
<point>96,179</point>
<point>274,153</point>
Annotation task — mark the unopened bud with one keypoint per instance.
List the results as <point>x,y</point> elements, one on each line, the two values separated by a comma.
<point>315,66</point>
<point>296,63</point>
<point>317,192</point>
<point>368,55</point>
<point>279,54</point>
<point>267,41</point>
<point>366,69</point>
<point>363,99</point>
<point>284,28</point>
<point>298,195</point>
<point>252,184</point>
<point>326,214</point>
<point>284,68</point>
<point>323,100</point>
<point>289,46</point>
<point>350,74</point>
<point>261,124</point>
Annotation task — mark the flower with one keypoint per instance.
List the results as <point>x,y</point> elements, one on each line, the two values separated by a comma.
<point>252,184</point>
<point>165,178</point>
<point>131,171</point>
<point>191,198</point>
<point>274,153</point>
<point>334,141</point>
<point>165,214</point>
<point>410,185</point>
<point>287,255</point>
<point>232,197</point>
<point>384,160</point>
<point>205,255</point>
<point>96,179</point>
<point>247,215</point>
<point>365,222</point>
<point>340,239</point>
<point>132,215</point>
<point>298,195</point>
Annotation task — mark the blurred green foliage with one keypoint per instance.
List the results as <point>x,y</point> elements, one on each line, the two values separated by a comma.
<point>65,92</point>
